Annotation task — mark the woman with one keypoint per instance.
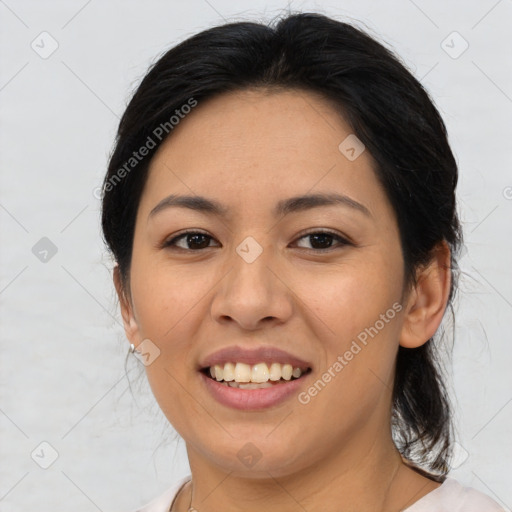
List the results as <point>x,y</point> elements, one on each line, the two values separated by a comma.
<point>281,207</point>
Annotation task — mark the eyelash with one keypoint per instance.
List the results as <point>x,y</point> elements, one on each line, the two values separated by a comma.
<point>171,243</point>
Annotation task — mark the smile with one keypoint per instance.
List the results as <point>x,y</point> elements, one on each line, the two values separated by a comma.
<point>243,386</point>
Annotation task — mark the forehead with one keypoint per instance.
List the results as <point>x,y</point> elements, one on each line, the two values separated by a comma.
<point>273,120</point>
<point>249,146</point>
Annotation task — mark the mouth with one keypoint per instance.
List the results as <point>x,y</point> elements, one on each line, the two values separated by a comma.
<point>256,376</point>
<point>243,394</point>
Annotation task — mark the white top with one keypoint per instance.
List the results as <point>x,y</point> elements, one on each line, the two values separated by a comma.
<point>450,496</point>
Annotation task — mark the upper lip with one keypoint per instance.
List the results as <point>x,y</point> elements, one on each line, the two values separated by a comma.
<point>237,354</point>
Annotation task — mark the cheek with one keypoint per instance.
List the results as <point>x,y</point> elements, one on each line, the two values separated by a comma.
<point>358,305</point>
<point>349,297</point>
<point>166,305</point>
<point>163,298</point>
<point>357,328</point>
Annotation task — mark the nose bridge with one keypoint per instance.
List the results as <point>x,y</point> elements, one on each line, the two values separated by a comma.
<point>250,272</point>
<point>250,291</point>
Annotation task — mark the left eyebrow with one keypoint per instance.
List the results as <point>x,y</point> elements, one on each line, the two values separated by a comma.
<point>283,207</point>
<point>306,202</point>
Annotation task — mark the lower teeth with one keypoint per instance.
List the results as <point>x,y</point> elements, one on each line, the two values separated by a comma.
<point>251,385</point>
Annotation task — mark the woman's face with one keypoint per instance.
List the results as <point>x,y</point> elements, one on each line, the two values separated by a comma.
<point>257,280</point>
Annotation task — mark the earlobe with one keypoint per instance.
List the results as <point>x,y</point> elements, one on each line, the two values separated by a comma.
<point>131,328</point>
<point>427,301</point>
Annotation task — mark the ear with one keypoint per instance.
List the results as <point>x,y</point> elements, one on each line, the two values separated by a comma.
<point>131,328</point>
<point>428,299</point>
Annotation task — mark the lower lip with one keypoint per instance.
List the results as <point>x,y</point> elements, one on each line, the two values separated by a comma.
<point>252,399</point>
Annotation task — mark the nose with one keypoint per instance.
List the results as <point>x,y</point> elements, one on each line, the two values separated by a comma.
<point>254,291</point>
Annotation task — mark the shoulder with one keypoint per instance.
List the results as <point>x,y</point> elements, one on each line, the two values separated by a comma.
<point>452,496</point>
<point>162,503</point>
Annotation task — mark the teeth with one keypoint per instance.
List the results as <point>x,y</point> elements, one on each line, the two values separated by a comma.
<point>275,371</point>
<point>242,372</point>
<point>286,371</point>
<point>260,374</point>
<point>254,385</point>
<point>229,372</point>
<point>219,372</point>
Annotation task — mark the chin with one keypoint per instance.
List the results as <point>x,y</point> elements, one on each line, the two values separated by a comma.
<point>256,456</point>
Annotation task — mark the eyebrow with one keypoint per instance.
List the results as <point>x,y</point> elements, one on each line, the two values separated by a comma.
<point>283,207</point>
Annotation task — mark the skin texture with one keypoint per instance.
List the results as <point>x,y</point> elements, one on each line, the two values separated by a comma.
<point>248,150</point>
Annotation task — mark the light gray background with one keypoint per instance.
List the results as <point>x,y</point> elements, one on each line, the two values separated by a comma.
<point>62,378</point>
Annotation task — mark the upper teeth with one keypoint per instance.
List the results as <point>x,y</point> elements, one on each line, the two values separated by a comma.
<point>241,372</point>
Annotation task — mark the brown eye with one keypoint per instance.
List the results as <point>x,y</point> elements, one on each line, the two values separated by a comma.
<point>193,240</point>
<point>196,240</point>
<point>322,240</point>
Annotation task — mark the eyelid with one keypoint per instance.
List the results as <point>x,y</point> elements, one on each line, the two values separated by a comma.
<point>342,239</point>
<point>335,234</point>
<point>167,241</point>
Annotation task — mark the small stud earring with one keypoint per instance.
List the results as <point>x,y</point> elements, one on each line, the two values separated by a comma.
<point>132,348</point>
